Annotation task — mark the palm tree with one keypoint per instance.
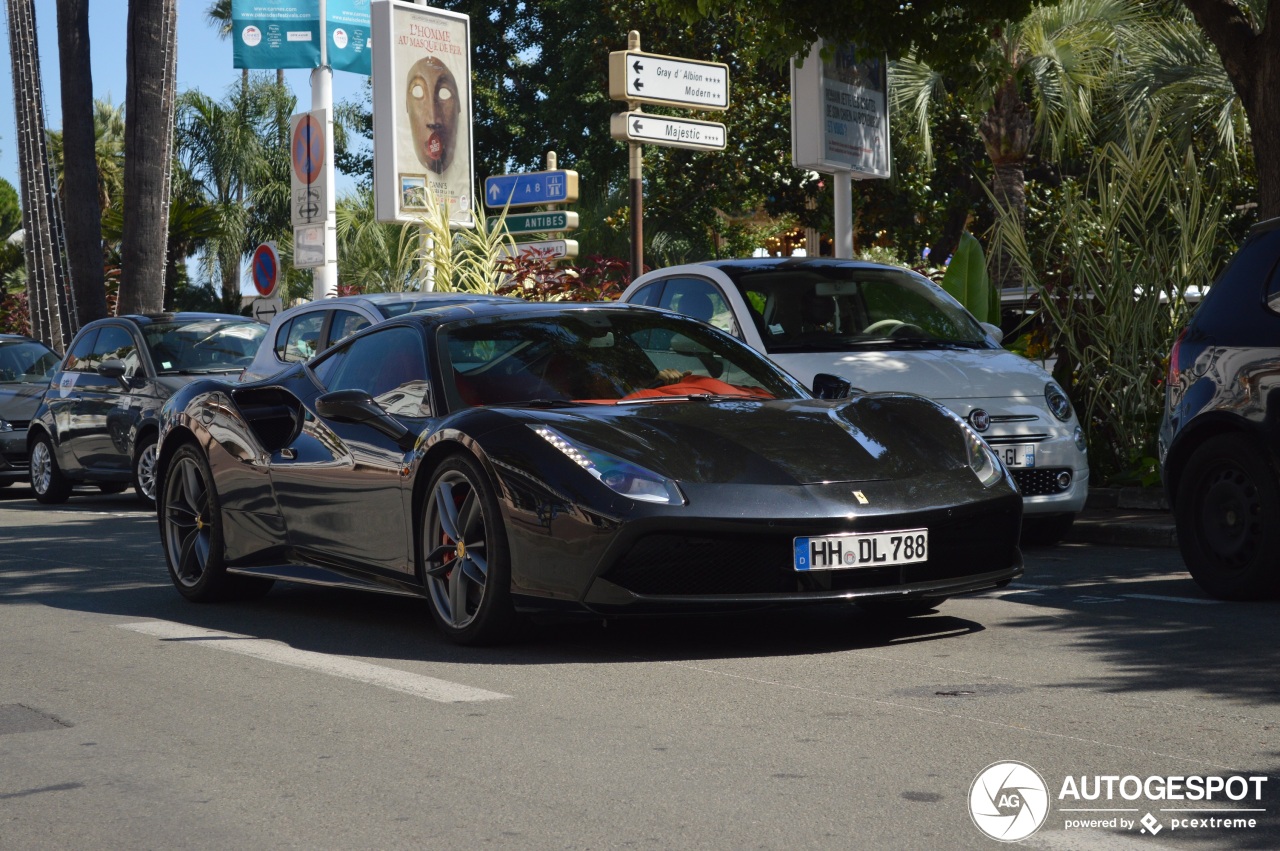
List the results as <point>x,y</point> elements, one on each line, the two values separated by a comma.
<point>151,57</point>
<point>221,151</point>
<point>1171,70</point>
<point>1035,85</point>
<point>83,221</point>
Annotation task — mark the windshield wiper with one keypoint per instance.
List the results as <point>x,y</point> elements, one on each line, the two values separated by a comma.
<point>698,397</point>
<point>211,370</point>
<point>538,403</point>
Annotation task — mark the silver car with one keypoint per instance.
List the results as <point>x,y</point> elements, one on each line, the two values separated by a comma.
<point>305,329</point>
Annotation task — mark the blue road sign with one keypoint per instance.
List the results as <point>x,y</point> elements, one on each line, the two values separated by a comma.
<point>531,188</point>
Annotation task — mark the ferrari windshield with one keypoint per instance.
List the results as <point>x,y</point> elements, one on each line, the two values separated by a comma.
<point>203,345</point>
<point>605,356</point>
<point>823,309</point>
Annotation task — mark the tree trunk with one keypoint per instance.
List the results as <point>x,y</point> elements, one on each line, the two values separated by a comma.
<point>1252,61</point>
<point>83,219</point>
<point>1006,134</point>
<point>151,60</point>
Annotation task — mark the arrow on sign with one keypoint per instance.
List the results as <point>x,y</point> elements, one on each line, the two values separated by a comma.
<point>493,192</point>
<point>637,127</point>
<point>639,85</point>
<point>638,66</point>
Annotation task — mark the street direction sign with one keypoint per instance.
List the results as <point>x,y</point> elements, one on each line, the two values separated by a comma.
<point>553,249</point>
<point>531,188</point>
<point>556,221</point>
<point>266,269</point>
<point>668,131</point>
<point>668,80</point>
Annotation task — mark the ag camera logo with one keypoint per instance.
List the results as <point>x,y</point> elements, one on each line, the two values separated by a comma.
<point>1008,801</point>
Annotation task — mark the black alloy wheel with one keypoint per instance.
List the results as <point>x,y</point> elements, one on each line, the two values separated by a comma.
<point>1228,503</point>
<point>466,562</point>
<point>191,533</point>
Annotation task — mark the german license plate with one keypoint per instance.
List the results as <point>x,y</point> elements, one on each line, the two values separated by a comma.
<point>1017,454</point>
<point>879,549</point>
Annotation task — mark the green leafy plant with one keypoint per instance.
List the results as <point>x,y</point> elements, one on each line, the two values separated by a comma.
<point>1110,276</point>
<point>966,279</point>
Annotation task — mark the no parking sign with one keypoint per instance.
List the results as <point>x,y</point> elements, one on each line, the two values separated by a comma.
<point>266,269</point>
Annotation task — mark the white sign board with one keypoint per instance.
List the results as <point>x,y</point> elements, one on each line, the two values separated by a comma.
<point>266,309</point>
<point>839,113</point>
<point>668,80</point>
<point>308,247</point>
<point>422,131</point>
<point>667,131</point>
<point>309,190</point>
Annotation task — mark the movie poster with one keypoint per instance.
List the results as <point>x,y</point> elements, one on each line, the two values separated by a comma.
<point>422,111</point>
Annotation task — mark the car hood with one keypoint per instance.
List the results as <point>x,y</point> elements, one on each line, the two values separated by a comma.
<point>936,373</point>
<point>874,437</point>
<point>18,402</point>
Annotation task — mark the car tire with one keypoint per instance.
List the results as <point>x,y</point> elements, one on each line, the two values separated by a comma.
<point>191,533</point>
<point>1038,531</point>
<point>466,563</point>
<point>144,469</point>
<point>1227,501</point>
<point>890,609</point>
<point>50,485</point>
<point>112,487</point>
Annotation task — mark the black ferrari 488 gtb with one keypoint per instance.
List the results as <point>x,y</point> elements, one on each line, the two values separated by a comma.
<point>499,459</point>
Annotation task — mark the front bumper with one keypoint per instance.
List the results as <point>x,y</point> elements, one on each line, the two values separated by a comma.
<point>14,463</point>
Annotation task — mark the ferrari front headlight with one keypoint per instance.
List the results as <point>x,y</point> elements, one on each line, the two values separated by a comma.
<point>982,460</point>
<point>620,476</point>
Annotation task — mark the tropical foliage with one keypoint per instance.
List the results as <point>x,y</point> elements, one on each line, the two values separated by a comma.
<point>1129,240</point>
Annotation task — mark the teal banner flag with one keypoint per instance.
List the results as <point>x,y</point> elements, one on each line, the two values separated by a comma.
<point>348,26</point>
<point>276,33</point>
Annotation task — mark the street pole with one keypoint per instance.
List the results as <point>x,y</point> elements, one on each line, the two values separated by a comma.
<point>636,174</point>
<point>842,184</point>
<point>324,280</point>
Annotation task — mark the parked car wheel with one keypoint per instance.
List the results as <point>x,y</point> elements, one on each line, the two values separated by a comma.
<point>466,564</point>
<point>1045,531</point>
<point>50,485</point>
<point>144,469</point>
<point>191,533</point>
<point>1228,499</point>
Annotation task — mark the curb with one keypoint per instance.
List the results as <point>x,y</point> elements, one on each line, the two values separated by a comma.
<point>1125,529</point>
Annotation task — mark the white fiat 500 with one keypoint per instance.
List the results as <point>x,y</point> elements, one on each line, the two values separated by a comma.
<point>885,328</point>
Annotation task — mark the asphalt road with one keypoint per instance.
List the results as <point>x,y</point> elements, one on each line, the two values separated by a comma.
<point>316,719</point>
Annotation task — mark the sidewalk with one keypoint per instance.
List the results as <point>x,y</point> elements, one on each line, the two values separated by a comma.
<point>1127,517</point>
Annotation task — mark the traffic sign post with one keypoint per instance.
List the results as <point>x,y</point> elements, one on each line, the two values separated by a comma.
<point>668,80</point>
<point>667,131</point>
<point>531,188</point>
<point>552,249</point>
<point>265,269</point>
<point>639,78</point>
<point>555,221</point>
<point>309,189</point>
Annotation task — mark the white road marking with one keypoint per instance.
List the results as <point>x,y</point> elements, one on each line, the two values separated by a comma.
<point>1164,599</point>
<point>323,663</point>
